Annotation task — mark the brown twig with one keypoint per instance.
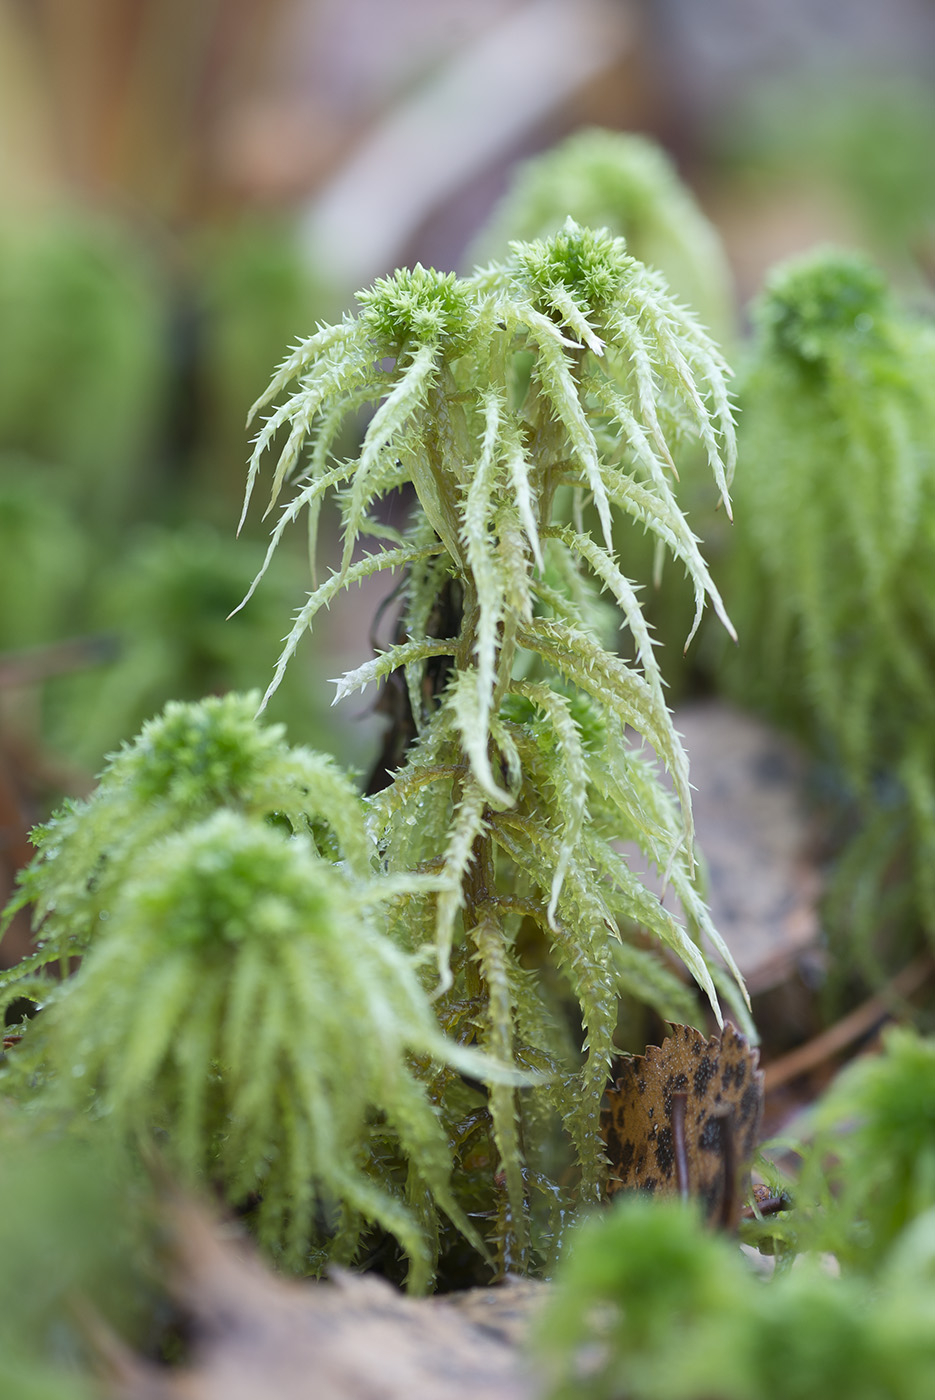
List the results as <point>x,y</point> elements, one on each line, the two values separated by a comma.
<point>677,1119</point>
<point>859,1022</point>
<point>730,1207</point>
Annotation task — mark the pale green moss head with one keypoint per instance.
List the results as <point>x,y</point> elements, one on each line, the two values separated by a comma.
<point>194,756</point>
<point>416,306</point>
<point>628,185</point>
<point>826,304</point>
<point>185,764</point>
<point>227,883</point>
<point>576,262</point>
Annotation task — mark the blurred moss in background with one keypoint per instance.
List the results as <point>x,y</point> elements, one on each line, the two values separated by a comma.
<point>79,1242</point>
<point>864,144</point>
<point>144,299</point>
<point>83,349</point>
<point>122,403</point>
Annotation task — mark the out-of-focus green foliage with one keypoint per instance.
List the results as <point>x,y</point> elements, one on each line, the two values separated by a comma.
<point>77,1238</point>
<point>881,144</point>
<point>649,1304</point>
<point>125,364</point>
<point>44,558</point>
<point>252,294</point>
<point>635,1277</point>
<point>872,1163</point>
<point>124,372</point>
<point>30,1378</point>
<point>83,374</point>
<point>830,582</point>
<point>166,602</point>
<point>865,145</point>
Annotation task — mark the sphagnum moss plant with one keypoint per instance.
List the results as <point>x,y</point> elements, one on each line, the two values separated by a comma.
<point>628,185</point>
<point>246,1011</point>
<point>832,580</point>
<point>237,1001</point>
<point>248,992</point>
<point>563,377</point>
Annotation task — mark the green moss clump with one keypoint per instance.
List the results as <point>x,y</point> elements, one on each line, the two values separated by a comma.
<point>242,1011</point>
<point>830,584</point>
<point>873,1164</point>
<point>186,763</point>
<point>650,1304</point>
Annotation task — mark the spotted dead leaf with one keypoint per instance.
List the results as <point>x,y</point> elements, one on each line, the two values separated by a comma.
<point>684,1118</point>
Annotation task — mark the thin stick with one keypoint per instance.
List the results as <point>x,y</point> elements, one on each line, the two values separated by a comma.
<point>729,1205</point>
<point>677,1119</point>
<point>859,1022</point>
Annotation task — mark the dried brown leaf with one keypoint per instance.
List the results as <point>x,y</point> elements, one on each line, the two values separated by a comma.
<point>684,1118</point>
